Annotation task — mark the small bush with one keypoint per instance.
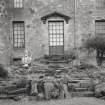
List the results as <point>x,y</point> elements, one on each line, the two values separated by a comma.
<point>3,72</point>
<point>97,44</point>
<point>85,65</point>
<point>100,90</point>
<point>54,57</point>
<point>46,56</point>
<point>70,55</point>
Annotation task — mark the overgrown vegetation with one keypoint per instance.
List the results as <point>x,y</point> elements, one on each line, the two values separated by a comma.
<point>68,56</point>
<point>96,43</point>
<point>3,72</point>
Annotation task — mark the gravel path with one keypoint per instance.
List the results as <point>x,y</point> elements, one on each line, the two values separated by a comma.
<point>73,101</point>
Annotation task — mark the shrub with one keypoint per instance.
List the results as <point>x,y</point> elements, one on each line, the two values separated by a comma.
<point>46,56</point>
<point>70,55</point>
<point>86,65</point>
<point>98,44</point>
<point>3,72</point>
<point>54,57</point>
<point>95,43</point>
<point>100,90</point>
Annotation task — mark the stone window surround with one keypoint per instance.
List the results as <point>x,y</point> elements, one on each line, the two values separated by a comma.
<point>55,14</point>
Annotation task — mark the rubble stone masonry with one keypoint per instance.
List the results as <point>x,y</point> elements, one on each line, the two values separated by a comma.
<point>81,25</point>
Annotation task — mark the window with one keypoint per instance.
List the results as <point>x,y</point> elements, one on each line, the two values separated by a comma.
<point>16,61</point>
<point>100,4</point>
<point>18,3</point>
<point>18,34</point>
<point>100,27</point>
<point>56,33</point>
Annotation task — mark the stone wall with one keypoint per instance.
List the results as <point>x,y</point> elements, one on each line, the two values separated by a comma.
<point>4,34</point>
<point>36,33</point>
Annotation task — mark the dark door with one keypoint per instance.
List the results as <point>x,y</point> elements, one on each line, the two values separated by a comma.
<point>56,37</point>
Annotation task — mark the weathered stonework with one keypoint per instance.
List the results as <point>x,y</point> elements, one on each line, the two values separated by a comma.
<point>4,34</point>
<point>36,33</point>
<point>81,25</point>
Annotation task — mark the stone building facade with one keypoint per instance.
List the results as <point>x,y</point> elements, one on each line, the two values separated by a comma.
<point>46,27</point>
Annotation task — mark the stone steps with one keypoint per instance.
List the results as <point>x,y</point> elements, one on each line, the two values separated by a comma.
<point>54,62</point>
<point>83,94</point>
<point>81,89</point>
<point>17,91</point>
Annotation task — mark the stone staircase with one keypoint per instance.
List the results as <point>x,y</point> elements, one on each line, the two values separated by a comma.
<point>83,94</point>
<point>83,85</point>
<point>82,88</point>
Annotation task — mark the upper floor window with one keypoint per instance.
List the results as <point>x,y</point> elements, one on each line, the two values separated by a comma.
<point>100,4</point>
<point>100,27</point>
<point>18,34</point>
<point>18,3</point>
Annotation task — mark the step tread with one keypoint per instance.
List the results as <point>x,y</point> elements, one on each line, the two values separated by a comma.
<point>83,94</point>
<point>64,61</point>
<point>81,89</point>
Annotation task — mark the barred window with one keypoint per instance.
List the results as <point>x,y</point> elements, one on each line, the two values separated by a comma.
<point>18,3</point>
<point>18,34</point>
<point>100,27</point>
<point>56,31</point>
<point>100,4</point>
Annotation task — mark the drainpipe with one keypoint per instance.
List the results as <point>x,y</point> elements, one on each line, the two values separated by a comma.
<point>74,24</point>
<point>75,34</point>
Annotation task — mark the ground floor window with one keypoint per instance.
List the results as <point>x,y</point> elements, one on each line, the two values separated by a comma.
<point>56,33</point>
<point>100,27</point>
<point>56,37</point>
<point>18,34</point>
